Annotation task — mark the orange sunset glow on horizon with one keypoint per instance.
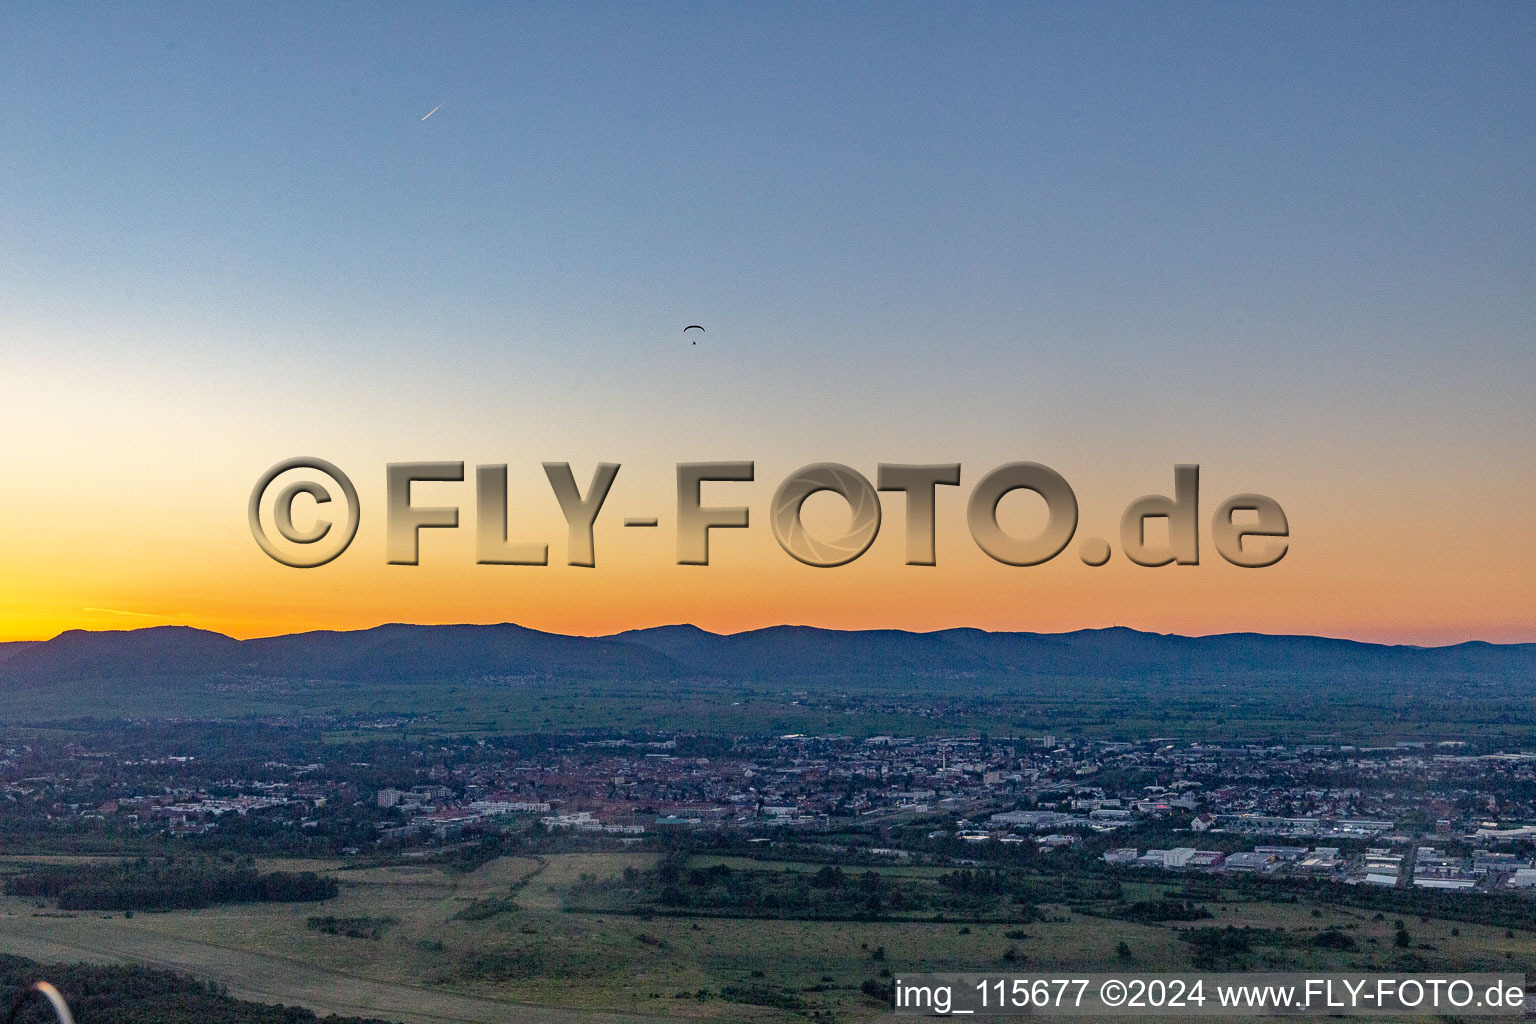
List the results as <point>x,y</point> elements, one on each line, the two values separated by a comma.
<point>966,245</point>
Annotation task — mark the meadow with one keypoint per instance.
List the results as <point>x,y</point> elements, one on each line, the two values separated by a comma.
<point>521,936</point>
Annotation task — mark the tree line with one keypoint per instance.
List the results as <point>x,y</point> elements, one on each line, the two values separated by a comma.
<point>141,885</point>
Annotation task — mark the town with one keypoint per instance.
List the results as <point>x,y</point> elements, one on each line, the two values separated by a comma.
<point>1422,814</point>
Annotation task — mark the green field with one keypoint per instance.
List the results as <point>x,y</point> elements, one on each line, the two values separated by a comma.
<point>502,941</point>
<point>1000,706</point>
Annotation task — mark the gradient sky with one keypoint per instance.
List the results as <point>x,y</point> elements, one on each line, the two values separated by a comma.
<point>1295,244</point>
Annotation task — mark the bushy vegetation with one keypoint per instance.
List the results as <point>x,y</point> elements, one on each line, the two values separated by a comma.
<point>142,885</point>
<point>1226,948</point>
<point>135,995</point>
<point>762,995</point>
<point>1158,910</point>
<point>829,893</point>
<point>1332,938</point>
<point>482,910</point>
<point>352,927</point>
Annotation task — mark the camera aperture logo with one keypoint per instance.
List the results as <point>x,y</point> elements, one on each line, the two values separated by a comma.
<point>1260,539</point>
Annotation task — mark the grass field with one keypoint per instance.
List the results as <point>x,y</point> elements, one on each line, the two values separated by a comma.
<point>1209,709</point>
<point>521,955</point>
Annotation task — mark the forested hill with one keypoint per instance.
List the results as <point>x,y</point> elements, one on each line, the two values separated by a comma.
<point>399,652</point>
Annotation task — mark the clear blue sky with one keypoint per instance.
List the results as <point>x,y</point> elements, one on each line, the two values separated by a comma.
<point>966,165</point>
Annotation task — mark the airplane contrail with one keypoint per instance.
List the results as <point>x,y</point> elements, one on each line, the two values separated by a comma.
<point>432,111</point>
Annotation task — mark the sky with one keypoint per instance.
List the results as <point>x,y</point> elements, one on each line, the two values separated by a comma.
<point>1294,244</point>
